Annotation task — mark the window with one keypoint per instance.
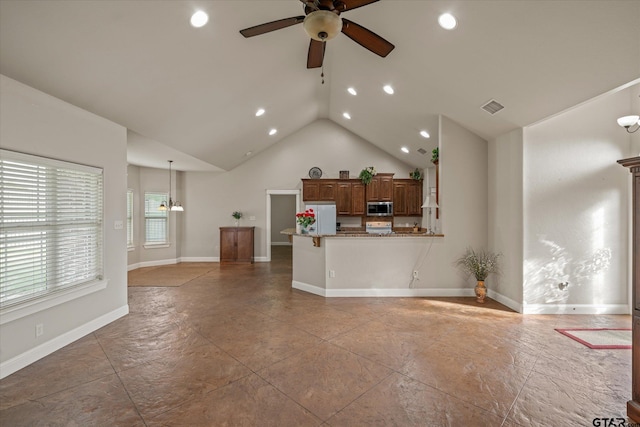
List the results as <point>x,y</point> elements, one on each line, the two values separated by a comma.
<point>156,221</point>
<point>51,236</point>
<point>130,218</point>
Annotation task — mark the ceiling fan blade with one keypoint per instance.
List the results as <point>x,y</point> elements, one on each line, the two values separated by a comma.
<point>366,38</point>
<point>316,54</point>
<point>271,26</point>
<point>353,4</point>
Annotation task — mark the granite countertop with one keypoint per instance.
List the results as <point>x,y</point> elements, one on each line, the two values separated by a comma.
<point>362,233</point>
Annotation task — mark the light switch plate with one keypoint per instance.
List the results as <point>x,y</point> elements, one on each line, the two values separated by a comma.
<point>118,225</point>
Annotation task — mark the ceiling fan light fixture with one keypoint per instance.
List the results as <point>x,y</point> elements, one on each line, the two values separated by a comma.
<point>322,25</point>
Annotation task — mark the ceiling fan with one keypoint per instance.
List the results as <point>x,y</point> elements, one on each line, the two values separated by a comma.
<point>323,22</point>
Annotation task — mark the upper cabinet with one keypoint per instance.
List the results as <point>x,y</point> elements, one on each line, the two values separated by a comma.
<point>350,199</point>
<point>351,195</point>
<point>407,197</point>
<point>319,190</point>
<point>380,189</point>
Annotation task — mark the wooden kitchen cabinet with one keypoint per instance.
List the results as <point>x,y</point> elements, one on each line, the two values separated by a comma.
<point>350,198</point>
<point>319,190</point>
<point>407,197</point>
<point>236,245</point>
<point>633,405</point>
<point>380,189</point>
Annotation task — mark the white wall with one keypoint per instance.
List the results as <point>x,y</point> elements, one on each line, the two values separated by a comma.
<point>39,124</point>
<point>133,183</point>
<point>575,214</point>
<point>505,211</point>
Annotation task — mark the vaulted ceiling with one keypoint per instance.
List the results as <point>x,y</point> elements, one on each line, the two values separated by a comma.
<point>192,93</point>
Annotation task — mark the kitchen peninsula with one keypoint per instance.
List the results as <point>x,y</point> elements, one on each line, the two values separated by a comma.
<point>374,256</point>
<point>360,264</point>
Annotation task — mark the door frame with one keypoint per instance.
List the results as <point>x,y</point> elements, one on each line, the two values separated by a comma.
<point>268,219</point>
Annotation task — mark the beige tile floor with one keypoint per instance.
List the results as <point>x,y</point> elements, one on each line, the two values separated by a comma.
<point>235,345</point>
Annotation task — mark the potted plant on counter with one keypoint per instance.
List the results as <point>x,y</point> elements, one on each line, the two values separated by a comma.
<point>435,155</point>
<point>479,264</point>
<point>306,219</point>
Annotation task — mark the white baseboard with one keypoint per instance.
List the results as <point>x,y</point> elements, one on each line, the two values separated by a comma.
<point>576,309</point>
<point>184,259</point>
<point>199,259</point>
<point>309,288</point>
<point>28,357</point>
<point>387,292</point>
<point>513,305</point>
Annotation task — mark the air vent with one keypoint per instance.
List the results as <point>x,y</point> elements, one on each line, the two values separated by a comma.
<point>492,106</point>
<point>422,151</point>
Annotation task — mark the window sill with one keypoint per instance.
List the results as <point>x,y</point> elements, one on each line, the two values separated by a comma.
<point>131,248</point>
<point>156,245</point>
<point>27,308</point>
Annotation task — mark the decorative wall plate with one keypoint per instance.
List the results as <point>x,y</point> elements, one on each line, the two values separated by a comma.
<point>315,172</point>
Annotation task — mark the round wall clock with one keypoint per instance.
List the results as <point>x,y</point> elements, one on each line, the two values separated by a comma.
<point>315,173</point>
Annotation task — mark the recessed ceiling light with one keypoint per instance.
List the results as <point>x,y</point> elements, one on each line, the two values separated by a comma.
<point>199,19</point>
<point>260,112</point>
<point>447,21</point>
<point>352,91</point>
<point>273,131</point>
<point>346,115</point>
<point>388,89</point>
<point>424,134</point>
<point>248,153</point>
<point>405,150</point>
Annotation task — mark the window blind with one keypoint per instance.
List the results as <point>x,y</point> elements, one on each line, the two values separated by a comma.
<point>156,224</point>
<point>51,235</point>
<point>129,218</point>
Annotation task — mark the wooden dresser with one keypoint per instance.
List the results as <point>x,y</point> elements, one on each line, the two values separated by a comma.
<point>236,245</point>
<point>633,406</point>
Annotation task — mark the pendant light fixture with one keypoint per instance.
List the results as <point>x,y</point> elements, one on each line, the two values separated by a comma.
<point>171,205</point>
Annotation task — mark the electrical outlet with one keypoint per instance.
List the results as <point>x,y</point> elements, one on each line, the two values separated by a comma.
<point>415,274</point>
<point>39,330</point>
<point>332,273</point>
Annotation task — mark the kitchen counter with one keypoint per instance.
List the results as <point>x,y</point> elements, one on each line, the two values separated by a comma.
<point>355,263</point>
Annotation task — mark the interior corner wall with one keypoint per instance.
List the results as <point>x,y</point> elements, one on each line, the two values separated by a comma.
<point>133,183</point>
<point>39,124</point>
<point>463,206</point>
<point>505,211</point>
<point>576,226</point>
<point>634,97</point>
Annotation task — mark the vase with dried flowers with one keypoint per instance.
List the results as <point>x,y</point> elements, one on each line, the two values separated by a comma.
<point>479,264</point>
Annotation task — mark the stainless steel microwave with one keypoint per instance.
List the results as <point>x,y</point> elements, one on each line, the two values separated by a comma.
<point>379,208</point>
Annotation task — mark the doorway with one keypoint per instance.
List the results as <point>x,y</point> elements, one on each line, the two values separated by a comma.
<point>282,206</point>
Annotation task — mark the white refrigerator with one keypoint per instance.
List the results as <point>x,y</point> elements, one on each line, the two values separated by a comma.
<point>325,217</point>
